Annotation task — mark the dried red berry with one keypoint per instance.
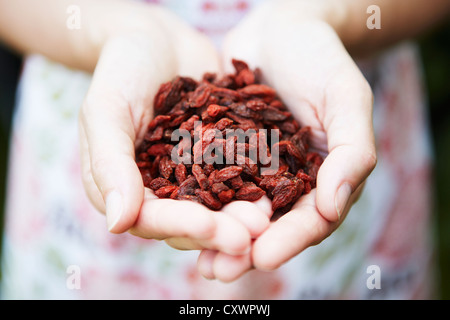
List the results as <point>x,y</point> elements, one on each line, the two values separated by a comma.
<point>227,173</point>
<point>250,192</point>
<point>188,186</point>
<point>201,177</point>
<point>166,191</point>
<point>208,198</point>
<point>283,194</point>
<point>158,183</point>
<point>226,196</point>
<point>180,173</point>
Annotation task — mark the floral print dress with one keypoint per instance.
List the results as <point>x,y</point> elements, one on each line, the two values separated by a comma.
<point>56,245</point>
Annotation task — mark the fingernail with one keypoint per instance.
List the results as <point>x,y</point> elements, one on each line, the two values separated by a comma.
<point>342,197</point>
<point>114,207</point>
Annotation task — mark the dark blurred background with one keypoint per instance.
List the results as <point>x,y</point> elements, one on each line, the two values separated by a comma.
<point>436,60</point>
<point>10,66</point>
<point>435,48</point>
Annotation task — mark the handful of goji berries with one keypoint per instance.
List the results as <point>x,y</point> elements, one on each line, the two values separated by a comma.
<point>223,139</point>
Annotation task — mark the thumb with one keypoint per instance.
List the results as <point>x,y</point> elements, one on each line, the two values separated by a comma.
<point>112,179</point>
<point>351,145</point>
<point>107,138</point>
<point>114,114</point>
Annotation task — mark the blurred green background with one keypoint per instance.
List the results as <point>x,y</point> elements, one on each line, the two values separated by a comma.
<point>436,61</point>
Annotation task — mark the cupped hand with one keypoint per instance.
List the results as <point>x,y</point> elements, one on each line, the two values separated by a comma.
<point>303,58</point>
<point>114,118</point>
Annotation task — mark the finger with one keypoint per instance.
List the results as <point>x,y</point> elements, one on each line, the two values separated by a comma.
<point>224,267</point>
<point>205,263</point>
<point>250,215</point>
<point>187,225</point>
<point>295,231</point>
<point>351,144</point>
<point>292,233</point>
<point>265,206</point>
<point>184,243</point>
<point>166,218</point>
<point>228,268</point>
<point>230,237</point>
<point>90,187</point>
